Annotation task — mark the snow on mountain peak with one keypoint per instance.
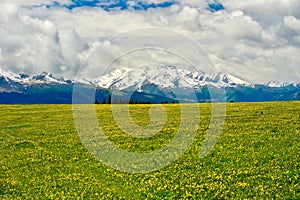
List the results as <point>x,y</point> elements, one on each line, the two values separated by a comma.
<point>44,77</point>
<point>8,75</point>
<point>165,76</point>
<point>278,84</point>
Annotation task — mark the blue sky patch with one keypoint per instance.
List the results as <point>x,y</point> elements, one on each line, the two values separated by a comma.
<point>214,7</point>
<point>109,5</point>
<point>78,3</point>
<point>143,6</point>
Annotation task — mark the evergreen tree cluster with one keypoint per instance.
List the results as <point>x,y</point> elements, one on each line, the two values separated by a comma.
<point>110,100</point>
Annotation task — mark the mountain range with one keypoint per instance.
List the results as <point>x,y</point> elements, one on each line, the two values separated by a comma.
<point>149,84</point>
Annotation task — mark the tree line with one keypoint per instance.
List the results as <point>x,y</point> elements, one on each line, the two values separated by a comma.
<point>120,100</point>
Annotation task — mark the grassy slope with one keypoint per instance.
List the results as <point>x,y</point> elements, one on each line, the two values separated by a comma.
<point>41,155</point>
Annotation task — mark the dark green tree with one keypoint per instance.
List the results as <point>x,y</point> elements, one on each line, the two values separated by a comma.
<point>109,99</point>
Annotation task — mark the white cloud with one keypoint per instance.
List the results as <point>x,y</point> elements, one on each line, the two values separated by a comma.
<point>256,40</point>
<point>292,23</point>
<point>29,44</point>
<point>266,12</point>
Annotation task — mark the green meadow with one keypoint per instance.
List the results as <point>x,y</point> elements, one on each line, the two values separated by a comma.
<point>257,155</point>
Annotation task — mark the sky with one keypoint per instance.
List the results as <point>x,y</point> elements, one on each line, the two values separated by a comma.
<point>258,41</point>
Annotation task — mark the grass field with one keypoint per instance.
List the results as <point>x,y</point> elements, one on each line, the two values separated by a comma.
<point>257,155</point>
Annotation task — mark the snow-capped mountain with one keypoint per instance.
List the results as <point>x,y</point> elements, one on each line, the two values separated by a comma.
<point>43,88</point>
<point>165,76</point>
<point>43,78</point>
<point>47,88</point>
<point>8,75</point>
<point>153,84</point>
<point>279,84</point>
